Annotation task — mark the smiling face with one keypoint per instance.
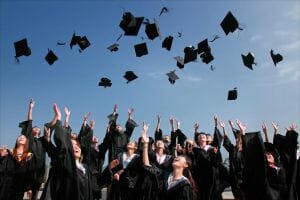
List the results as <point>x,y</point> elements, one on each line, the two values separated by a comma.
<point>270,158</point>
<point>76,149</point>
<point>202,140</point>
<point>36,131</point>
<point>21,140</point>
<point>160,144</point>
<point>180,162</point>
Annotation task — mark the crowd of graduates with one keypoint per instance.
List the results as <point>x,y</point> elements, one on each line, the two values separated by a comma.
<point>152,168</point>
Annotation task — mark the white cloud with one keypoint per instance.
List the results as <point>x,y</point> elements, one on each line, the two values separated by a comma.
<point>293,46</point>
<point>285,33</point>
<point>290,71</point>
<point>255,38</point>
<point>156,74</point>
<point>191,78</point>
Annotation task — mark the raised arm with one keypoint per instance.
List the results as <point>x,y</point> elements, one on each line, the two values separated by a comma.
<point>158,123</point>
<point>145,141</point>
<point>275,127</point>
<point>158,133</point>
<point>222,124</point>
<point>196,133</point>
<point>239,142</point>
<point>67,113</point>
<point>172,123</point>
<point>265,131</point>
<point>31,105</point>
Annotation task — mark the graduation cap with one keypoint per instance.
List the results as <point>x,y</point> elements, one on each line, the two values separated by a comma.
<point>105,82</point>
<point>130,24</point>
<point>206,57</point>
<point>130,76</point>
<point>232,94</point>
<point>152,30</point>
<point>22,48</point>
<point>74,40</point>
<point>276,57</point>
<point>141,49</point>
<point>167,43</point>
<point>230,23</point>
<point>180,62</point>
<point>205,51</point>
<point>172,76</point>
<point>164,10</point>
<point>83,43</point>
<point>113,47</point>
<point>51,57</point>
<point>190,54</point>
<point>248,60</point>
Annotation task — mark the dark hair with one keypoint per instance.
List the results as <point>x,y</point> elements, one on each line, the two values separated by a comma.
<point>187,173</point>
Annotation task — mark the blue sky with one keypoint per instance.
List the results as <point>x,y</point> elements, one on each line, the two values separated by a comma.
<point>267,93</point>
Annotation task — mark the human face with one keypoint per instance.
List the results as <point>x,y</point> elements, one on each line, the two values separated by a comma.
<point>36,131</point>
<point>166,139</point>
<point>202,139</point>
<point>119,128</point>
<point>209,139</point>
<point>270,158</point>
<point>160,144</point>
<point>179,162</point>
<point>131,146</point>
<point>21,140</point>
<point>76,149</point>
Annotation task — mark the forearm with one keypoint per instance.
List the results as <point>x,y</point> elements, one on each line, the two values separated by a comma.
<point>145,155</point>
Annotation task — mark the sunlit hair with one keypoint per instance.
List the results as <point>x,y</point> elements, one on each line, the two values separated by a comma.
<point>25,154</point>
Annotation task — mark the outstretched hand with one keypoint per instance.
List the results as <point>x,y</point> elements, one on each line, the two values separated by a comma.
<point>31,103</point>
<point>264,128</point>
<point>293,127</point>
<point>241,126</point>
<point>196,126</point>
<point>130,111</point>
<point>222,124</point>
<point>144,133</point>
<point>216,120</point>
<point>67,112</point>
<point>275,127</point>
<point>57,111</point>
<point>231,124</point>
<point>47,133</point>
<point>115,109</point>
<point>92,124</point>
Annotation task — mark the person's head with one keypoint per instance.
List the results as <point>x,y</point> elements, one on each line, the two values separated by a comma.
<point>159,144</point>
<point>76,148</point>
<point>202,139</point>
<point>181,162</point>
<point>189,144</point>
<point>270,158</point>
<point>74,136</point>
<point>36,131</point>
<point>209,138</point>
<point>21,140</point>
<point>131,147</point>
<point>166,139</point>
<point>95,140</point>
<point>119,128</point>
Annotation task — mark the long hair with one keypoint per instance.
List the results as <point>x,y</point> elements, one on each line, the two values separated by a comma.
<point>25,154</point>
<point>187,173</point>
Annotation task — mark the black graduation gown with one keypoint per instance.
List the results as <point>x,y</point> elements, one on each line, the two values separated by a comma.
<point>287,148</point>
<point>35,145</point>
<point>116,142</point>
<point>14,180</point>
<point>158,135</point>
<point>181,191</point>
<point>236,165</point>
<point>126,187</point>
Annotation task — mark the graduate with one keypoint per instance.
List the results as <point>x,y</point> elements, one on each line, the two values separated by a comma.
<point>35,144</point>
<point>116,137</point>
<point>179,183</point>
<point>16,168</point>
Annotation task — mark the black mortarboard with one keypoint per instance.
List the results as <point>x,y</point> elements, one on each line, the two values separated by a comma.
<point>113,47</point>
<point>248,60</point>
<point>172,76</point>
<point>130,24</point>
<point>83,43</point>
<point>205,52</point>
<point>167,43</point>
<point>74,40</point>
<point>206,57</point>
<point>232,94</point>
<point>276,57</point>
<point>229,23</point>
<point>105,82</point>
<point>152,30</point>
<point>22,48</point>
<point>141,49</point>
<point>190,54</point>
<point>130,76</point>
<point>51,57</point>
<point>180,62</point>
<point>203,47</point>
